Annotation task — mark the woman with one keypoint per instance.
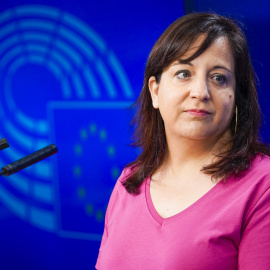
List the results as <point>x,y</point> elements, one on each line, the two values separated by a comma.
<point>198,195</point>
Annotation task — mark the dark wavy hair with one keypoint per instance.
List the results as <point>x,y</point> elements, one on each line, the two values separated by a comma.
<point>149,127</point>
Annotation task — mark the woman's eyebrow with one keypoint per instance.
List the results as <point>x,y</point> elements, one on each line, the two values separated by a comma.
<point>183,62</point>
<point>221,67</point>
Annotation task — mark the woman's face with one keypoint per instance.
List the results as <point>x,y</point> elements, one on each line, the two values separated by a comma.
<point>196,99</point>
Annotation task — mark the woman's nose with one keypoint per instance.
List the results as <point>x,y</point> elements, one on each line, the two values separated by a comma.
<point>200,89</point>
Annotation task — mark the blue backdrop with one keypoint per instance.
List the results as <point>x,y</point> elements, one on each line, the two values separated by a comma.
<point>68,72</point>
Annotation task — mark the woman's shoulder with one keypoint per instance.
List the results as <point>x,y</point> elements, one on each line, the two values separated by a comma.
<point>119,195</point>
<point>261,163</point>
<point>124,175</point>
<point>126,172</point>
<point>257,176</point>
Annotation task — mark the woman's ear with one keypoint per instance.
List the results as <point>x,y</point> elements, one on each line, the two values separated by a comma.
<point>153,88</point>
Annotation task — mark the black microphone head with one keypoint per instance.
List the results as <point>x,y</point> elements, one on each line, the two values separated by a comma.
<point>3,144</point>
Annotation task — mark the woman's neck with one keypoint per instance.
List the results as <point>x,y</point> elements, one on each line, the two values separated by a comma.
<point>186,157</point>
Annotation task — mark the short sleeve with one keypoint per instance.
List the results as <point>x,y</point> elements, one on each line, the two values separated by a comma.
<point>254,248</point>
<point>107,216</point>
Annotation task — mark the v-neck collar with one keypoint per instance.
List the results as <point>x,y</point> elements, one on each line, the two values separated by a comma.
<point>163,221</point>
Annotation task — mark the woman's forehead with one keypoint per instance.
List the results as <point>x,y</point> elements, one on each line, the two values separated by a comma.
<point>221,42</point>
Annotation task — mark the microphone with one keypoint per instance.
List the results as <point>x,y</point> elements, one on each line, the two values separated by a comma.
<point>29,160</point>
<point>3,144</point>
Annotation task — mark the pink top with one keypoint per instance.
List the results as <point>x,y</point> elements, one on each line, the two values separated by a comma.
<point>227,228</point>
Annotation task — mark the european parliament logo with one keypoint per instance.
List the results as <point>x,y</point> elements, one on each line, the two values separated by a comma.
<point>61,83</point>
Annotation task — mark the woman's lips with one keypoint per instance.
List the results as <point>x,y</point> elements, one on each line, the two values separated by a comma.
<point>198,112</point>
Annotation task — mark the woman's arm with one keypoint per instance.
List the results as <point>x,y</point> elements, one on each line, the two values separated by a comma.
<point>254,248</point>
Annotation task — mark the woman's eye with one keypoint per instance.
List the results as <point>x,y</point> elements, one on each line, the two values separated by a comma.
<point>220,79</point>
<point>183,74</point>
